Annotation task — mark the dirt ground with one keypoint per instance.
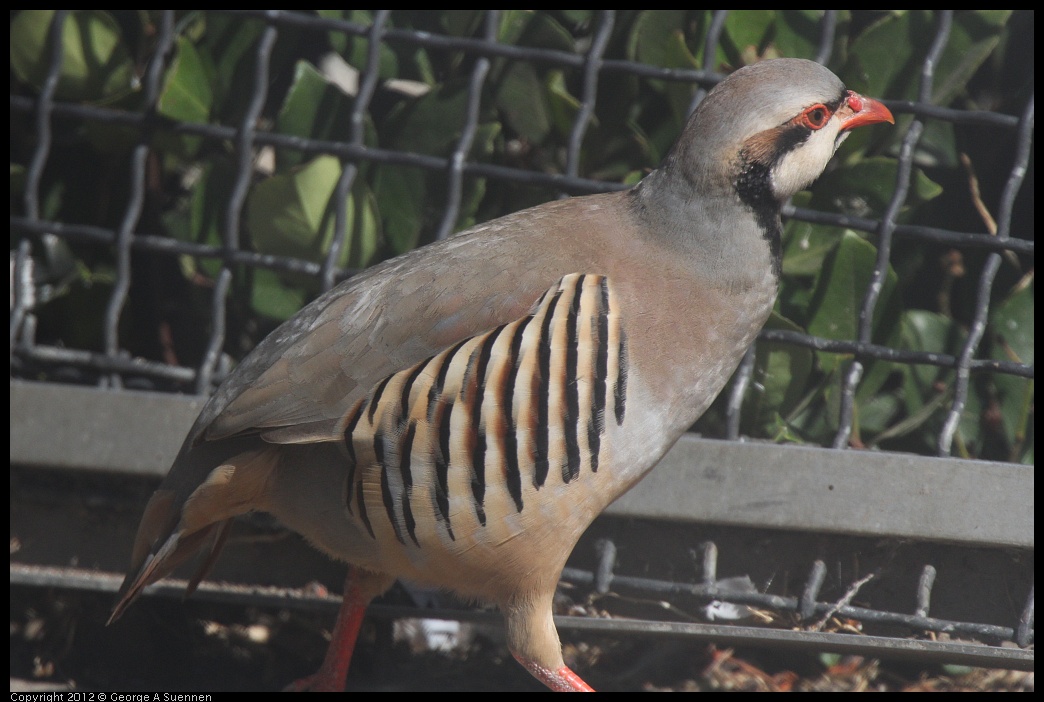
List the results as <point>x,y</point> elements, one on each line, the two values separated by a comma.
<point>58,641</point>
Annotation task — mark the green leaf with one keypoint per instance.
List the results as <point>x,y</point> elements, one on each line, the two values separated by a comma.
<point>933,333</point>
<point>228,44</point>
<point>475,188</point>
<point>647,42</point>
<point>187,96</point>
<point>927,389</point>
<point>781,372</point>
<point>272,295</point>
<point>96,65</point>
<point>886,59</point>
<point>937,147</point>
<point>679,94</point>
<point>658,38</point>
<point>78,316</point>
<point>512,25</point>
<point>578,18</point>
<point>522,99</point>
<point>462,23</point>
<point>411,198</point>
<point>401,194</point>
<point>364,220</point>
<point>865,188</point>
<point>882,58</point>
<point>1012,325</point>
<point>805,246</point>
<point>356,49</point>
<point>287,214</point>
<point>874,414</point>
<point>563,106</point>
<point>746,30</point>
<point>887,330</point>
<point>314,108</point>
<point>340,41</point>
<point>293,215</point>
<point>200,218</point>
<point>798,32</point>
<point>470,204</point>
<point>531,28</point>
<point>431,125</point>
<point>815,418</point>
<point>187,92</point>
<point>546,33</point>
<point>839,293</point>
<point>522,90</point>
<point>972,39</point>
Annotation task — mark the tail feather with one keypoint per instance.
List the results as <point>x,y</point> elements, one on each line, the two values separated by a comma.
<point>177,549</point>
<point>178,523</point>
<point>157,524</point>
<point>213,550</point>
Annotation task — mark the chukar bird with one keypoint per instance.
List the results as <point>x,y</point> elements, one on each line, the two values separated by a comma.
<point>459,415</point>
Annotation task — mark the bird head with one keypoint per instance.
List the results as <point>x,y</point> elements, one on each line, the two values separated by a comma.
<point>769,129</point>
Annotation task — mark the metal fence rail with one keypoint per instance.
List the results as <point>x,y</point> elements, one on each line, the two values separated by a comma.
<point>923,650</point>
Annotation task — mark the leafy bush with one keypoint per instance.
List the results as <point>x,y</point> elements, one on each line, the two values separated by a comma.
<point>525,120</point>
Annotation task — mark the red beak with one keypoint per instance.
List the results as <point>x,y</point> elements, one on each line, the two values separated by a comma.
<point>864,111</point>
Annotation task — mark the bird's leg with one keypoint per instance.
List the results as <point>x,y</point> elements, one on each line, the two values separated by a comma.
<point>360,587</point>
<point>534,642</point>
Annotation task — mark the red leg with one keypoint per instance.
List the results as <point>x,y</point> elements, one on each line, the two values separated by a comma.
<point>359,590</point>
<point>561,680</point>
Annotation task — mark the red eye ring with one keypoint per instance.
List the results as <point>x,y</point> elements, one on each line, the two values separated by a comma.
<point>816,116</point>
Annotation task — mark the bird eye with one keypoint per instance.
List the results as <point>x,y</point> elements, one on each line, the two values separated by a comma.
<point>816,117</point>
